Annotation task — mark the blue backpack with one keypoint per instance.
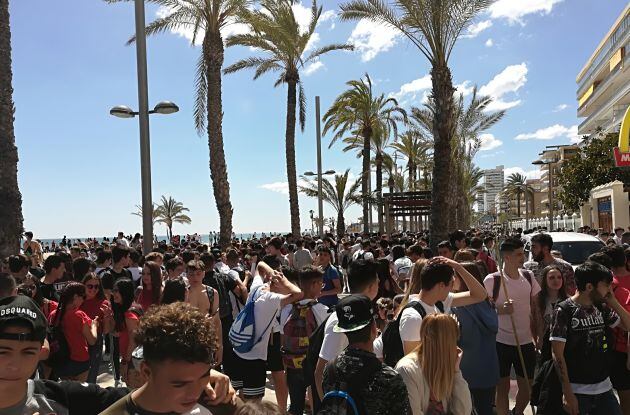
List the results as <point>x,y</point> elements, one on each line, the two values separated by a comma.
<point>243,331</point>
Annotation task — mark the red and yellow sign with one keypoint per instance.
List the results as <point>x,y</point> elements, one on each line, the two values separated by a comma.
<point>622,153</point>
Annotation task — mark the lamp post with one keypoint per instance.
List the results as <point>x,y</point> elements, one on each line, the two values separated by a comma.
<point>312,212</point>
<point>548,162</point>
<point>122,111</point>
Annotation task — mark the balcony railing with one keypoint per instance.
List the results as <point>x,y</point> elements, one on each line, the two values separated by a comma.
<point>604,54</point>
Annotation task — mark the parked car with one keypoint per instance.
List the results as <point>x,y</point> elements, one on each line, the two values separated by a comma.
<point>575,247</point>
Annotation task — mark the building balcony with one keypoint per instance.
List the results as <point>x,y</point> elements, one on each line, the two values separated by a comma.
<point>599,62</point>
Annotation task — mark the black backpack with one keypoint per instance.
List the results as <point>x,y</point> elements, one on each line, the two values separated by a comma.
<point>345,399</point>
<point>218,281</point>
<point>393,349</point>
<point>59,349</point>
<point>315,342</point>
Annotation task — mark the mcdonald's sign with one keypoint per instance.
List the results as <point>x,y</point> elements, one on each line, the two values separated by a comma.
<point>622,152</point>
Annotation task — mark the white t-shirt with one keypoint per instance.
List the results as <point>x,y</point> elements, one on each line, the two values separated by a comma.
<point>320,312</point>
<point>334,343</point>
<point>368,256</point>
<point>136,273</point>
<point>520,292</point>
<point>411,321</point>
<point>267,308</point>
<point>378,347</point>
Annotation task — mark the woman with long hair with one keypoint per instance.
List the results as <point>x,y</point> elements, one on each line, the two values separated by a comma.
<point>552,292</point>
<point>479,325</point>
<point>431,372</point>
<point>78,329</point>
<point>151,288</point>
<point>96,306</point>
<point>125,322</point>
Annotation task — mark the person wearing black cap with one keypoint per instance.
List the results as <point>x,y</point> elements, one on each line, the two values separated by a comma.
<point>376,387</point>
<point>22,334</point>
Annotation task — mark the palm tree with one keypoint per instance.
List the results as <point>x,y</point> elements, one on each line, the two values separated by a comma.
<point>154,213</point>
<point>11,220</point>
<point>340,195</point>
<point>516,185</point>
<point>362,114</point>
<point>378,145</point>
<point>207,19</point>
<point>472,119</point>
<point>276,33</point>
<point>433,26</point>
<point>170,211</point>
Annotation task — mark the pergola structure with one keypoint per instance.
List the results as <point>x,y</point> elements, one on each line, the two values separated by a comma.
<point>406,204</point>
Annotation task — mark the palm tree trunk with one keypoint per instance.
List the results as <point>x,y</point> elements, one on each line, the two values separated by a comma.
<point>213,54</point>
<point>341,224</point>
<point>443,126</point>
<point>379,192</point>
<point>367,139</point>
<point>526,211</point>
<point>290,156</point>
<point>11,220</point>
<point>518,204</point>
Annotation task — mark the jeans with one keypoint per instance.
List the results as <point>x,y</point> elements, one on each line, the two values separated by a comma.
<point>96,353</point>
<point>297,390</point>
<point>483,400</point>
<point>602,404</point>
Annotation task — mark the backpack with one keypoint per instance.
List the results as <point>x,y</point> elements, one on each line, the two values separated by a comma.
<point>496,284</point>
<point>299,326</point>
<point>217,281</point>
<point>59,349</point>
<point>315,342</point>
<point>210,294</point>
<point>345,398</point>
<point>243,336</point>
<point>393,349</point>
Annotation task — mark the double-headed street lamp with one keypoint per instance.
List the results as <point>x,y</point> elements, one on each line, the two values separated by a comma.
<point>122,111</point>
<point>549,162</point>
<point>320,198</point>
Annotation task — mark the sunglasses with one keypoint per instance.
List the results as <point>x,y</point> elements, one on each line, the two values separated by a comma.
<point>92,286</point>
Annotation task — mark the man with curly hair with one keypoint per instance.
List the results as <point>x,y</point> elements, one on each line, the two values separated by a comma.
<point>179,346</point>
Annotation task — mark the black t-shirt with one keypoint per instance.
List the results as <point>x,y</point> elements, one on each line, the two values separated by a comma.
<point>585,332</point>
<point>49,291</point>
<point>109,277</point>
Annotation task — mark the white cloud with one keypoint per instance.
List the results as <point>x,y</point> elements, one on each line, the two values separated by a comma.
<point>328,15</point>
<point>313,67</point>
<point>280,187</point>
<point>489,142</point>
<point>560,107</point>
<point>515,10</point>
<point>475,29</point>
<point>411,90</point>
<point>489,43</point>
<point>508,81</point>
<point>551,132</point>
<point>370,39</point>
<point>465,88</point>
<point>531,174</point>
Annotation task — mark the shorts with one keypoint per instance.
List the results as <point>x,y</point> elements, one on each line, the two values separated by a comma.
<point>72,368</point>
<point>250,376</point>
<point>619,373</point>
<point>274,355</point>
<point>508,358</point>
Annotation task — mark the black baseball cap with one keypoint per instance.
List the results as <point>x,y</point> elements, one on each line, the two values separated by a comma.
<point>22,308</point>
<point>354,312</point>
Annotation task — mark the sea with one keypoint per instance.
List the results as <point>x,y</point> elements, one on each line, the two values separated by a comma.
<point>205,238</point>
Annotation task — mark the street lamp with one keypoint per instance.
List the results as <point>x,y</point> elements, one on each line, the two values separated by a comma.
<point>320,198</point>
<point>548,162</point>
<point>312,212</point>
<point>162,107</point>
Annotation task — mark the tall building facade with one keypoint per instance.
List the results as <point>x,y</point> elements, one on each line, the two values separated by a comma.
<point>493,182</point>
<point>555,156</point>
<point>603,85</point>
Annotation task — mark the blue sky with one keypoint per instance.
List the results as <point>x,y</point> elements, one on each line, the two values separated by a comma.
<point>79,167</point>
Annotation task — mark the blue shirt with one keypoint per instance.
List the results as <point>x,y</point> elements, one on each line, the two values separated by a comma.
<point>479,325</point>
<point>330,274</point>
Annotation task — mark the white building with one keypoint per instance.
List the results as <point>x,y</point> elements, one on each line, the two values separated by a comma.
<point>603,91</point>
<point>493,184</point>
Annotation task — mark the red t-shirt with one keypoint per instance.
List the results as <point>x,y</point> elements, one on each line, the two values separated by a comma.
<point>48,307</point>
<point>621,288</point>
<point>72,327</point>
<point>145,299</point>
<point>123,336</point>
<point>92,307</point>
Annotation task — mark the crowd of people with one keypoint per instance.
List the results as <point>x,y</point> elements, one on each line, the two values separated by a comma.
<point>369,324</point>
